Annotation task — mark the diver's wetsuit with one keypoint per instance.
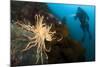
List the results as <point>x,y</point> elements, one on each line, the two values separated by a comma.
<point>84,19</point>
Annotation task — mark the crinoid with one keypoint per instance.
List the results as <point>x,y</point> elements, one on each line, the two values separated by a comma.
<point>41,33</point>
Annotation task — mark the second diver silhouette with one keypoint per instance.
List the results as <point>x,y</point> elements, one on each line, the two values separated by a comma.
<point>84,22</point>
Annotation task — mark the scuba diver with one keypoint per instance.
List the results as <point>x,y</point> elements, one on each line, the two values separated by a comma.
<point>84,19</point>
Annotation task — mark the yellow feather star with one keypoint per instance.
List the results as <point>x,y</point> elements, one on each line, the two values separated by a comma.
<point>41,32</point>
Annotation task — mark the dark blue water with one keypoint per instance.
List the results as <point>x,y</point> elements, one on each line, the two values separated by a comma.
<point>69,11</point>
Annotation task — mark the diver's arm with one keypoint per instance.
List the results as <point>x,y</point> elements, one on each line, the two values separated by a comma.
<point>75,17</point>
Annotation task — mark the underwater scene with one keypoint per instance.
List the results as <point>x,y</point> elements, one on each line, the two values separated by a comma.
<point>51,33</point>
